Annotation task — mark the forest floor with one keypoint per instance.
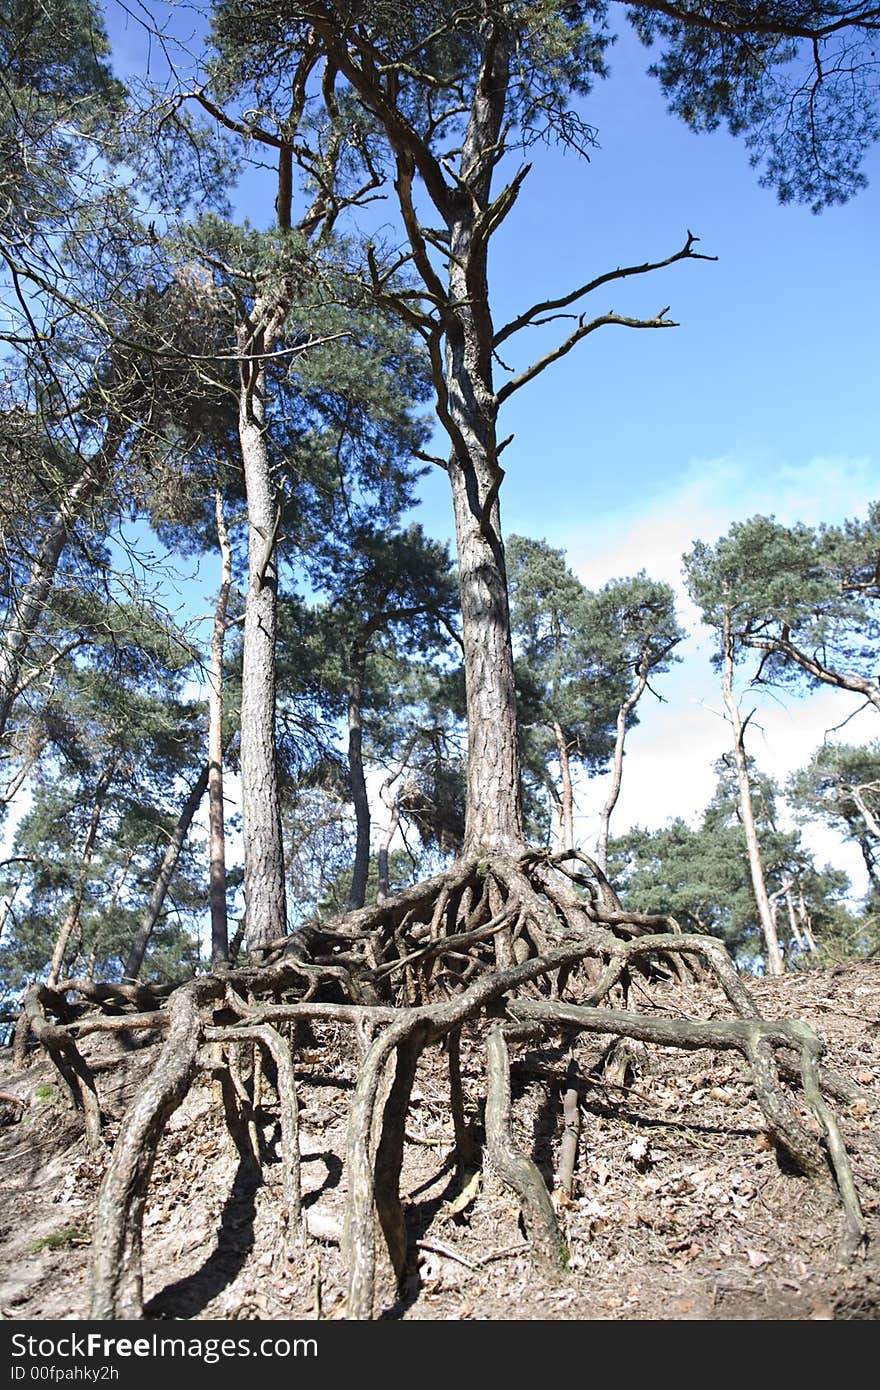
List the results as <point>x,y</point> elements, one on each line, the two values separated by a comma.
<point>681,1208</point>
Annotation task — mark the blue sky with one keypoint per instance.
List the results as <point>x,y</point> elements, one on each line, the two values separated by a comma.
<point>764,399</point>
<point>775,360</point>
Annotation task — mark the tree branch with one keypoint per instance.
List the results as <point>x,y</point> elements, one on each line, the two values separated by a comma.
<point>546,306</point>
<point>580,333</point>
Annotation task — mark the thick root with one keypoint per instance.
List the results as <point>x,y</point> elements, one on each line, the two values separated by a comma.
<point>503,940</point>
<point>514,1167</point>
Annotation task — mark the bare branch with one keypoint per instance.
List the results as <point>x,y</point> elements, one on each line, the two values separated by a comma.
<point>547,306</point>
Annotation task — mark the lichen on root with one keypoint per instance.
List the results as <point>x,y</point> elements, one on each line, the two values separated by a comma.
<point>505,949</point>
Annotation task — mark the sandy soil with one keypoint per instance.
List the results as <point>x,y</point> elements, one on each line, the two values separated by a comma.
<point>681,1208</point>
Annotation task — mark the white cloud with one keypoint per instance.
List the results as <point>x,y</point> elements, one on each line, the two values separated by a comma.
<point>652,533</point>
<point>669,768</point>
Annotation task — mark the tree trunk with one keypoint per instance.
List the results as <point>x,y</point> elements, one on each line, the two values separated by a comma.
<point>467,407</point>
<point>28,611</point>
<point>361,867</point>
<point>71,921</point>
<point>806,924</point>
<point>623,715</point>
<point>868,853</point>
<point>150,915</point>
<point>865,812</point>
<point>9,899</point>
<point>775,965</point>
<point>567,805</point>
<point>216,837</point>
<point>392,802</point>
<point>493,821</point>
<point>384,885</point>
<point>265,894</point>
<point>792,919</point>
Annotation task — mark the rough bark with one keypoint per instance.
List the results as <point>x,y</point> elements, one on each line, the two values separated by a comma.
<point>150,915</point>
<point>494,813</point>
<point>775,964</point>
<point>493,823</point>
<point>361,866</point>
<point>265,894</point>
<point>216,837</point>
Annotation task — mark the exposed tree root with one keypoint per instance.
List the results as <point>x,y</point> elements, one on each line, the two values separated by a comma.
<point>513,1166</point>
<point>66,1056</point>
<point>505,949</point>
<point>117,1278</point>
<point>571,1134</point>
<point>269,1038</point>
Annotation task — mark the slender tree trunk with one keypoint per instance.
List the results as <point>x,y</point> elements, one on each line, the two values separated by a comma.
<point>216,836</point>
<point>567,804</point>
<point>806,924</point>
<point>792,918</point>
<point>35,744</point>
<point>867,850</point>
<point>467,408</point>
<point>393,805</point>
<point>361,867</point>
<point>623,715</point>
<point>9,899</point>
<point>71,921</point>
<point>152,912</point>
<point>865,811</point>
<point>384,887</point>
<point>265,893</point>
<point>775,965</point>
<point>28,611</point>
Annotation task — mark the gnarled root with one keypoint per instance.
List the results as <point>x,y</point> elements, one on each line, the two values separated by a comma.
<point>117,1278</point>
<point>68,1060</point>
<point>531,945</point>
<point>513,1166</point>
